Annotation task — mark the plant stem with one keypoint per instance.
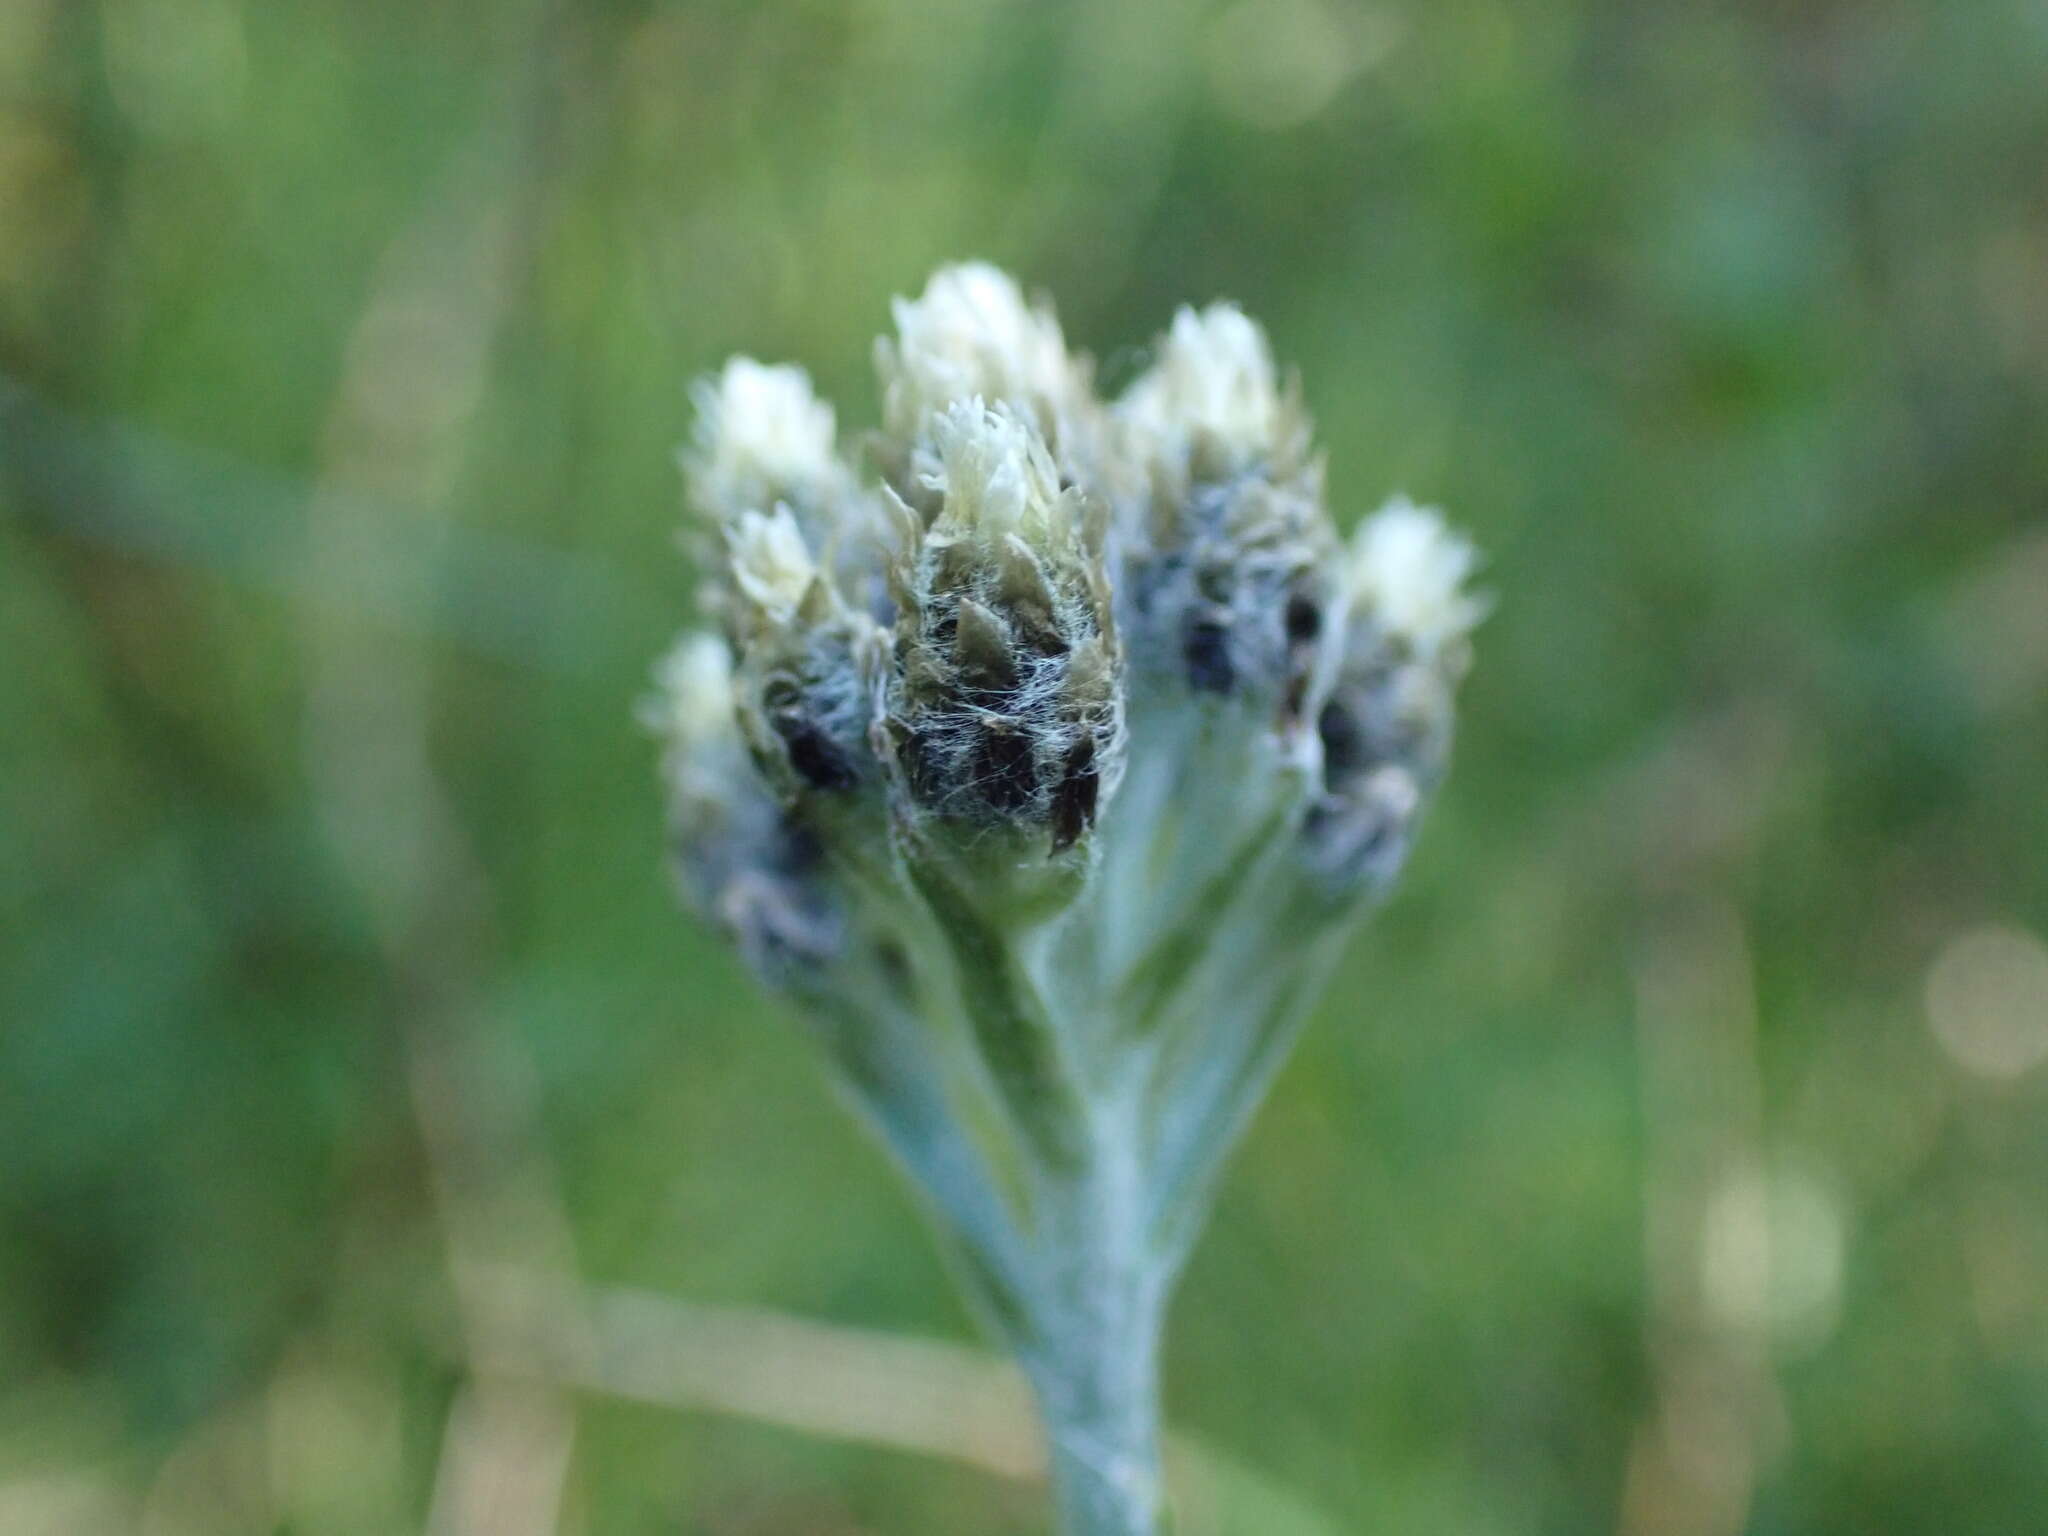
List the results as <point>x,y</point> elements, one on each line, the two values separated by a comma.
<point>1094,1354</point>
<point>1102,1427</point>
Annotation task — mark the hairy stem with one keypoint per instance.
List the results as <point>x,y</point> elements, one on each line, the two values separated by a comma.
<point>1092,1350</point>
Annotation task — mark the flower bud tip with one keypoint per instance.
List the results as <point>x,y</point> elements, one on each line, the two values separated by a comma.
<point>1408,572</point>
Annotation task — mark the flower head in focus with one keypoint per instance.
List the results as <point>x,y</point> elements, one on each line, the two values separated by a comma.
<point>1005,706</point>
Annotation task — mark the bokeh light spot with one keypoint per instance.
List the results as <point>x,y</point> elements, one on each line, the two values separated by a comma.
<point>1771,1255</point>
<point>1987,1001</point>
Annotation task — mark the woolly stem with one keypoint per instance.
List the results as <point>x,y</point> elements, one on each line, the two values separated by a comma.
<point>1093,1347</point>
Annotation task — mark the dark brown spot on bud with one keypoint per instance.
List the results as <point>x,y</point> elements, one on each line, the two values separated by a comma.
<point>1073,802</point>
<point>818,760</point>
<point>1304,619</point>
<point>1345,751</point>
<point>1302,623</point>
<point>1004,774</point>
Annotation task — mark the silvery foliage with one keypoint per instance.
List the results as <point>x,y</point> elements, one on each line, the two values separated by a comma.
<point>1046,773</point>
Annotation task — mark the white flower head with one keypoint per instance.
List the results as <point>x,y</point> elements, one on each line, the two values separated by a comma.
<point>973,333</point>
<point>1215,393</point>
<point>762,436</point>
<point>771,565</point>
<point>1408,572</point>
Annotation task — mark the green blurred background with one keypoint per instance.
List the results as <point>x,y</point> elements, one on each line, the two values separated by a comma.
<point>1672,1156</point>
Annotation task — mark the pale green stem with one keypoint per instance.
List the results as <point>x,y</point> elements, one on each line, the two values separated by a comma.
<point>1094,1285</point>
<point>1123,1070</point>
<point>1093,1347</point>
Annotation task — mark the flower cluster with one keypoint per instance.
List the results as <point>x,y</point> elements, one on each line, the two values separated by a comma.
<point>1045,764</point>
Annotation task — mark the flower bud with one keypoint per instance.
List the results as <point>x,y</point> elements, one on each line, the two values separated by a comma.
<point>1408,574</point>
<point>972,335</point>
<point>1230,541</point>
<point>765,442</point>
<point>1006,705</point>
<point>743,862</point>
<point>1213,406</point>
<point>1386,725</point>
<point>809,664</point>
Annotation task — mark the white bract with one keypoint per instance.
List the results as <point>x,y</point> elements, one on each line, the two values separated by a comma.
<point>771,565</point>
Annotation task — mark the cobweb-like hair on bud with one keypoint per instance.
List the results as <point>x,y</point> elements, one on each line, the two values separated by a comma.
<point>1006,704</point>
